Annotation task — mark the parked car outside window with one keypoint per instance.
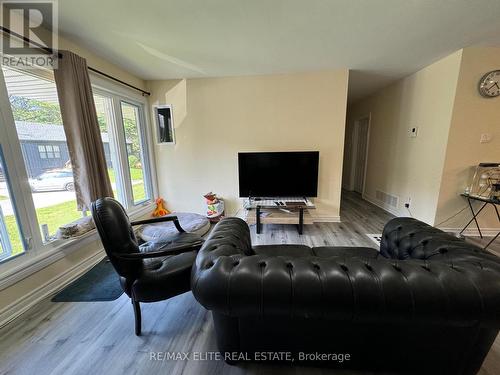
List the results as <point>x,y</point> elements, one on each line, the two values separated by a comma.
<point>53,180</point>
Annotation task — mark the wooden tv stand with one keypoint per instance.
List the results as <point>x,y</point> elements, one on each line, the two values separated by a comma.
<point>298,214</point>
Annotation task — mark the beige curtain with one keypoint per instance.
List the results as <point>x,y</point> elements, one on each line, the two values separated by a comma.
<point>82,130</point>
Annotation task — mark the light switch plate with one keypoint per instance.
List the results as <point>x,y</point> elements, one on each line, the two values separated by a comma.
<point>413,132</point>
<point>485,138</point>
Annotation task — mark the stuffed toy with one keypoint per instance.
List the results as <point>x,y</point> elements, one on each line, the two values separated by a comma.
<point>160,209</point>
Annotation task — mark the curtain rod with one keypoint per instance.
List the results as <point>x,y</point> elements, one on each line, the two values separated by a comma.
<point>59,55</point>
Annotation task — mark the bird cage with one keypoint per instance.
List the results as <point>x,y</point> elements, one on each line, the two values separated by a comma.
<point>486,181</point>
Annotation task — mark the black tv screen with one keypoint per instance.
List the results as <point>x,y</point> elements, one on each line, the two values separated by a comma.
<point>278,174</point>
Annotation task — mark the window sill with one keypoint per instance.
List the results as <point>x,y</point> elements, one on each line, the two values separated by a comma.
<point>59,249</point>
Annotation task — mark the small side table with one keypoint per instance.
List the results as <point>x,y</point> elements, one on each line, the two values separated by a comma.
<point>258,219</point>
<point>486,202</point>
<point>259,215</point>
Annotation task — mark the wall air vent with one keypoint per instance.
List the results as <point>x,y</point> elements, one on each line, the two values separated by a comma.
<point>387,199</point>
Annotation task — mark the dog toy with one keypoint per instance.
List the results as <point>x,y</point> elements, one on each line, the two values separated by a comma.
<point>160,209</point>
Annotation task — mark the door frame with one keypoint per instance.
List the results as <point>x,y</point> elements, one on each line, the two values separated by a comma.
<point>354,151</point>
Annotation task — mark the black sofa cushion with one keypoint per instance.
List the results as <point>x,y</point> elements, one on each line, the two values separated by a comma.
<point>345,251</point>
<point>302,251</point>
<point>294,251</point>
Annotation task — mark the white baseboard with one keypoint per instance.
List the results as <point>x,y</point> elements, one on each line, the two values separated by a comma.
<point>382,205</point>
<point>469,232</point>
<point>487,232</point>
<point>33,263</point>
<point>23,304</point>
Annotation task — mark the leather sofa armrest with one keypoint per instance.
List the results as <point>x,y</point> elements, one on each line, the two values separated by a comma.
<point>408,238</point>
<point>351,289</point>
<point>230,237</point>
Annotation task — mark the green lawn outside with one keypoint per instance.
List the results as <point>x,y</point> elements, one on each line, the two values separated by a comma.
<point>14,236</point>
<point>63,213</point>
<point>54,216</point>
<point>139,192</point>
<point>3,197</point>
<point>135,174</point>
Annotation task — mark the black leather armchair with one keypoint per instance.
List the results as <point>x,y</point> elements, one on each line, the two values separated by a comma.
<point>149,272</point>
<point>427,303</point>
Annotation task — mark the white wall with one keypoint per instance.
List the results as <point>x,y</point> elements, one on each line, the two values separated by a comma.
<point>434,168</point>
<point>473,115</point>
<point>404,166</point>
<point>217,117</point>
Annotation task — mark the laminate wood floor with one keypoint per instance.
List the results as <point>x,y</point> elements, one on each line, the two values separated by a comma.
<point>97,338</point>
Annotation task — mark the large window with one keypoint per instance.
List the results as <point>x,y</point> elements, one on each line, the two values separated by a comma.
<point>38,124</point>
<point>106,121</point>
<point>37,196</point>
<point>11,239</point>
<point>122,122</point>
<point>131,118</point>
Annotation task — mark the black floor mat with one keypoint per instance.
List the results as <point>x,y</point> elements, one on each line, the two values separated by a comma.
<point>101,283</point>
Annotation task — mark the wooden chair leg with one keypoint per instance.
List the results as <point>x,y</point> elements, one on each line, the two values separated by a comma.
<point>137,315</point>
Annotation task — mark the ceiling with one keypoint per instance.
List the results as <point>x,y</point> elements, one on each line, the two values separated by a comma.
<point>379,40</point>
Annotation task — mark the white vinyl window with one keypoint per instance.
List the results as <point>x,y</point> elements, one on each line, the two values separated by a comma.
<point>122,121</point>
<point>11,236</point>
<point>37,130</point>
<point>36,179</point>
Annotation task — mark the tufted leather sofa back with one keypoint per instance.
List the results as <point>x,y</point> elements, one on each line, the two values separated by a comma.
<point>117,235</point>
<point>407,238</point>
<point>417,282</point>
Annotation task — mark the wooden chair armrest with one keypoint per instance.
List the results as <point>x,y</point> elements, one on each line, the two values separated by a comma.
<point>175,219</point>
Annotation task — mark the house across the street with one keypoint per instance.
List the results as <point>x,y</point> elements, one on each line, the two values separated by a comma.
<point>44,146</point>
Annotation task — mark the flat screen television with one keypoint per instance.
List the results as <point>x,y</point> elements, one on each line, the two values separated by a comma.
<point>278,174</point>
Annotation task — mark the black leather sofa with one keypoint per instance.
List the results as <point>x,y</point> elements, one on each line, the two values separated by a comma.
<point>426,303</point>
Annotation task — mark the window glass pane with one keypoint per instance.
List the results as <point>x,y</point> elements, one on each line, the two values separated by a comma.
<point>33,98</point>
<point>135,152</point>
<point>104,117</point>
<point>10,234</point>
<point>41,150</point>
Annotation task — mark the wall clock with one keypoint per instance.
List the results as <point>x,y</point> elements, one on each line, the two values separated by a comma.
<point>489,84</point>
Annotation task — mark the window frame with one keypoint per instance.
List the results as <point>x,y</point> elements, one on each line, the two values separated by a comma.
<point>19,181</point>
<point>117,94</point>
<point>39,254</point>
<point>36,244</point>
<point>43,151</point>
<point>145,160</point>
<point>9,183</point>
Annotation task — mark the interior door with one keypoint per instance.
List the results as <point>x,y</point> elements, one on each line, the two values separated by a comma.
<point>361,146</point>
